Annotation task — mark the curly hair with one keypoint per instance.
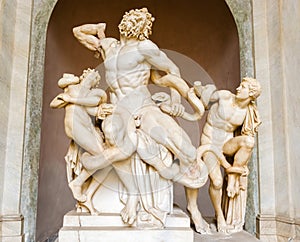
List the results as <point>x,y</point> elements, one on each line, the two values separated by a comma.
<point>137,24</point>
<point>254,86</point>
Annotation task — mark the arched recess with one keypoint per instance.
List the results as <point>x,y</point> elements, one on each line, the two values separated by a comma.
<point>40,19</point>
<point>242,13</point>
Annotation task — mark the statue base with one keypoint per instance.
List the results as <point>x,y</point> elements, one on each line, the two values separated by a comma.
<point>109,227</point>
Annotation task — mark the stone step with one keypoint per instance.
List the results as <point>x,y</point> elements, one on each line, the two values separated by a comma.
<point>177,219</point>
<point>109,227</point>
<point>113,234</point>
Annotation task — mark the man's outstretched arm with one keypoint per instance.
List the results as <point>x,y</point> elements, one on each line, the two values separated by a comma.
<point>90,35</point>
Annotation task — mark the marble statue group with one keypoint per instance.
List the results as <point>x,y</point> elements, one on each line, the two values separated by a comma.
<point>132,132</point>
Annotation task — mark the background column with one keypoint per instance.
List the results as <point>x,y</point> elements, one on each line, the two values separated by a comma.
<point>15,19</point>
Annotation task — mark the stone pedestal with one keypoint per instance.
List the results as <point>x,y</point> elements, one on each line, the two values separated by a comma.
<point>11,228</point>
<point>109,227</point>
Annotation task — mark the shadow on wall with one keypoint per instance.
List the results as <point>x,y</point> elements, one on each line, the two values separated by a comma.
<point>203,31</point>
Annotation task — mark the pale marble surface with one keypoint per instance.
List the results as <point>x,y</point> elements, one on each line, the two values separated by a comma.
<point>237,237</point>
<point>132,235</point>
<point>178,219</point>
<point>14,32</point>
<point>290,23</point>
<point>15,124</point>
<point>41,12</point>
<point>277,65</point>
<point>11,226</point>
<point>266,147</point>
<point>110,227</point>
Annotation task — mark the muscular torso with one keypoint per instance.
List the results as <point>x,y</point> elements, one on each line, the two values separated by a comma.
<point>76,114</point>
<point>223,119</point>
<point>126,69</point>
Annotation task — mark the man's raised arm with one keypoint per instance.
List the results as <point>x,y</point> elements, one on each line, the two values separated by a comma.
<point>90,35</point>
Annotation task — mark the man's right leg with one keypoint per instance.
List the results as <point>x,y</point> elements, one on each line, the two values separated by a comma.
<point>215,188</point>
<point>121,137</point>
<point>150,152</point>
<point>201,225</point>
<point>124,171</point>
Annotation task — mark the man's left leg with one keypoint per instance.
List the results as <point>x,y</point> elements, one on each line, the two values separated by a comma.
<point>241,148</point>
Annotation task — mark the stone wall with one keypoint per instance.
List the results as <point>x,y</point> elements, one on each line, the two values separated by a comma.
<point>15,19</point>
<point>277,38</point>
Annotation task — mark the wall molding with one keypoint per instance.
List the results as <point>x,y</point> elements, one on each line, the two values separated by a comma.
<point>11,227</point>
<point>277,228</point>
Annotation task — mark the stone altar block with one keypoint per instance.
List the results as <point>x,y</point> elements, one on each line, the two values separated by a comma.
<point>109,227</point>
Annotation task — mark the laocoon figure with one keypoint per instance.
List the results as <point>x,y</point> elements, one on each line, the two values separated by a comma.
<point>139,138</point>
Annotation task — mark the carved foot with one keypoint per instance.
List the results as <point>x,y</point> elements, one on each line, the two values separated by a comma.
<point>222,229</point>
<point>201,225</point>
<point>233,187</point>
<point>232,191</point>
<point>226,229</point>
<point>128,213</point>
<point>222,226</point>
<point>77,191</point>
<point>89,205</point>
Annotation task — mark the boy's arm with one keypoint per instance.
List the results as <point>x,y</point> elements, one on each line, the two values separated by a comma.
<point>58,102</point>
<point>96,97</point>
<point>221,94</point>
